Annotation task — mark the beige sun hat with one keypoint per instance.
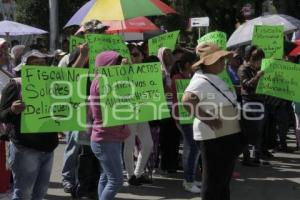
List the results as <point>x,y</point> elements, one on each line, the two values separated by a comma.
<point>209,54</point>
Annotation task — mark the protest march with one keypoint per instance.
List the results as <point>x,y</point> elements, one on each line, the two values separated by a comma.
<point>120,102</point>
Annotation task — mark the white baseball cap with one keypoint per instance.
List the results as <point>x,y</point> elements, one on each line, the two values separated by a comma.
<point>32,53</point>
<point>2,41</point>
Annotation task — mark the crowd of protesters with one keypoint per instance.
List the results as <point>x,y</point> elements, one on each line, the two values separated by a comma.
<point>96,167</point>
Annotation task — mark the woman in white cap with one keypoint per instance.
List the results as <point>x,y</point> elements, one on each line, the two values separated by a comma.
<point>16,54</point>
<point>216,124</point>
<point>33,57</point>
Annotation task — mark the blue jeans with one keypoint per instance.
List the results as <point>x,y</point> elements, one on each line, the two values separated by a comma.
<point>31,171</point>
<point>111,178</point>
<point>191,152</point>
<point>70,159</point>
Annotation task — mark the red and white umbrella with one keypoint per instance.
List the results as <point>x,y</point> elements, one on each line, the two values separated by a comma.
<point>138,24</point>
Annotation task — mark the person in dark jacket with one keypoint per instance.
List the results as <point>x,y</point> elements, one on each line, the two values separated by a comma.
<point>30,155</point>
<point>253,104</point>
<point>78,58</point>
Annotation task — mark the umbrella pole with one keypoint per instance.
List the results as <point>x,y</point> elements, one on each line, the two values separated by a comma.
<point>8,39</point>
<point>206,29</point>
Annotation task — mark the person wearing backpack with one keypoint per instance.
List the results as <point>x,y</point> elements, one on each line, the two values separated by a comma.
<point>30,155</point>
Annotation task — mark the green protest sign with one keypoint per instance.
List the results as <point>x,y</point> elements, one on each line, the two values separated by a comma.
<point>74,42</point>
<point>168,40</point>
<point>54,99</point>
<point>270,39</point>
<point>280,79</point>
<point>184,116</point>
<point>217,37</point>
<point>131,94</point>
<point>99,43</point>
<point>226,78</point>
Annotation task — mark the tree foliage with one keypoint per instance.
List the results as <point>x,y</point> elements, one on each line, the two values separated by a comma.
<point>67,8</point>
<point>36,12</point>
<point>288,7</point>
<point>223,14</point>
<point>33,12</point>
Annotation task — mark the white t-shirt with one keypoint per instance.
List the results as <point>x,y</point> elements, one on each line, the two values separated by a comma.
<point>212,101</point>
<point>64,62</point>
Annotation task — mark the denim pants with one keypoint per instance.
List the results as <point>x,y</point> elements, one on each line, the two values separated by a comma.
<point>70,159</point>
<point>110,158</point>
<point>31,171</point>
<point>191,152</point>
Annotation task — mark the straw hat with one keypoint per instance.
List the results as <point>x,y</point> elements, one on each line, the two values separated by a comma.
<point>209,54</point>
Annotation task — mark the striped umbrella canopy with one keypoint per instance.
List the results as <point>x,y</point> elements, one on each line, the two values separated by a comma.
<point>119,10</point>
<point>163,7</point>
<point>138,24</point>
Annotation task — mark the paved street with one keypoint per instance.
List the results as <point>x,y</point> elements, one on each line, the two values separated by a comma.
<point>277,182</point>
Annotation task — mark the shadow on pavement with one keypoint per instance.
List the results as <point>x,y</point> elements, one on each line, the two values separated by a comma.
<point>54,197</point>
<point>164,187</point>
<point>279,181</point>
<point>55,185</point>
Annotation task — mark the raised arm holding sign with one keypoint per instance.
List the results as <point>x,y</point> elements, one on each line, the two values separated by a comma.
<point>74,42</point>
<point>270,39</point>
<point>168,40</point>
<point>217,37</point>
<point>280,79</point>
<point>99,43</point>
